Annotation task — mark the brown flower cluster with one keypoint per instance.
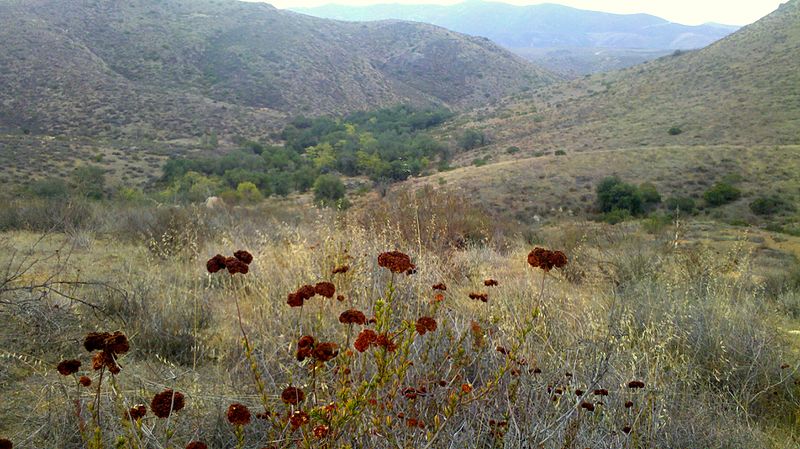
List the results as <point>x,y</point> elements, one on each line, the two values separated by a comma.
<point>546,259</point>
<point>322,352</point>
<point>353,316</point>
<point>238,414</point>
<point>341,269</point>
<point>85,381</point>
<point>298,419</point>
<point>67,367</point>
<point>440,286</point>
<point>412,393</point>
<point>396,262</point>
<point>321,431</point>
<point>305,346</point>
<point>306,292</point>
<point>425,324</point>
<point>365,339</point>
<point>196,445</point>
<point>636,384</point>
<point>110,345</point>
<point>5,444</point>
<point>490,283</point>
<point>483,297</point>
<point>166,402</point>
<point>292,395</point>
<point>239,263</point>
<point>588,406</point>
<point>136,412</point>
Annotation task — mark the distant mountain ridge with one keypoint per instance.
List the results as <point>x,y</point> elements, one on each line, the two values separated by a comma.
<point>544,26</point>
<point>180,68</point>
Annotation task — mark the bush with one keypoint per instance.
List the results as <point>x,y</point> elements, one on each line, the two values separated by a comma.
<point>560,153</point>
<point>721,193</point>
<point>684,204</point>
<point>650,195</point>
<point>616,216</point>
<point>89,182</point>
<point>768,205</point>
<point>674,131</point>
<point>472,138</point>
<point>615,195</point>
<point>49,188</point>
<point>328,190</point>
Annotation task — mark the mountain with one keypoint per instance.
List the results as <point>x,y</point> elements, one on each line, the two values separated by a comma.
<point>744,89</point>
<point>180,68</point>
<point>559,29</point>
<point>681,122</point>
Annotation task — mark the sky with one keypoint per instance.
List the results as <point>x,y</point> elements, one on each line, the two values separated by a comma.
<point>689,12</point>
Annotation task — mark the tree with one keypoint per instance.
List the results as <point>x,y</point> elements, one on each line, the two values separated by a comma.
<point>613,194</point>
<point>472,138</point>
<point>328,190</point>
<point>248,192</point>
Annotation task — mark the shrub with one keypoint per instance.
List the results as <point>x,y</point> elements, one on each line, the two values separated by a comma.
<point>512,150</point>
<point>721,193</point>
<point>768,205</point>
<point>613,194</point>
<point>472,138</point>
<point>650,195</point>
<point>684,204</point>
<point>674,131</point>
<point>49,188</point>
<point>328,189</point>
<point>249,192</point>
<point>560,153</point>
<point>89,182</point>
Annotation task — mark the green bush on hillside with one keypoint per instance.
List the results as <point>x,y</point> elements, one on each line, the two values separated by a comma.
<point>769,205</point>
<point>614,194</point>
<point>721,193</point>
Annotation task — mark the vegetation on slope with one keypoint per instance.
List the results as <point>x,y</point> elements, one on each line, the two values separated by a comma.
<point>178,68</point>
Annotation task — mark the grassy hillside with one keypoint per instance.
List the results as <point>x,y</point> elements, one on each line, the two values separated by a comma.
<point>179,68</point>
<point>744,89</point>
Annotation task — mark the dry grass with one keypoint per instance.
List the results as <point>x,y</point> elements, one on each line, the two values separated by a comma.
<point>699,323</point>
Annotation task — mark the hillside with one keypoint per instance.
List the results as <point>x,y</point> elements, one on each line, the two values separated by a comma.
<point>179,68</point>
<point>567,34</point>
<point>744,89</point>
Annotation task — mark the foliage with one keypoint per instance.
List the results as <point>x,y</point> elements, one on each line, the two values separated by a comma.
<point>684,204</point>
<point>721,193</point>
<point>328,190</point>
<point>769,205</point>
<point>89,182</point>
<point>614,194</point>
<point>471,139</point>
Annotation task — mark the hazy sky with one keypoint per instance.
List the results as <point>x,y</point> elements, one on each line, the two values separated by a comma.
<point>690,12</point>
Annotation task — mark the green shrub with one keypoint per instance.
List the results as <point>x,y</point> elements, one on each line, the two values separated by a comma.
<point>89,182</point>
<point>674,131</point>
<point>49,188</point>
<point>512,150</point>
<point>721,193</point>
<point>560,153</point>
<point>328,190</point>
<point>472,138</point>
<point>616,216</point>
<point>683,204</point>
<point>615,195</point>
<point>650,195</point>
<point>768,205</point>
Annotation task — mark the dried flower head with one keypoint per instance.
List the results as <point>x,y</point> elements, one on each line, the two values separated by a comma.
<point>196,445</point>
<point>588,406</point>
<point>386,342</point>
<point>626,430</point>
<point>238,414</point>
<point>105,359</point>
<point>425,324</point>
<point>85,381</point>
<point>365,339</point>
<point>67,367</point>
<point>438,297</point>
<point>321,431</point>
<point>95,341</point>
<point>299,418</point>
<point>5,444</point>
<point>326,289</point>
<point>466,388</point>
<point>215,263</point>
<point>136,412</point>
<point>297,298</point>
<point>324,352</point>
<point>396,262</point>
<point>292,395</point>
<point>635,384</point>
<point>235,265</point>
<point>340,298</point>
<point>305,346</point>
<point>244,256</point>
<point>483,297</point>
<point>117,343</point>
<point>341,269</point>
<point>440,286</point>
<point>166,402</point>
<point>600,392</point>
<point>353,316</point>
<point>546,259</point>
<point>490,283</point>
<point>628,404</point>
